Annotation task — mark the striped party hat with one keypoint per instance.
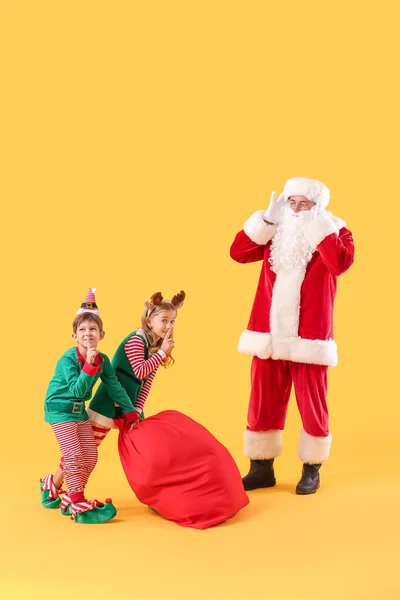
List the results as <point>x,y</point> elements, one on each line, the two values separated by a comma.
<point>89,303</point>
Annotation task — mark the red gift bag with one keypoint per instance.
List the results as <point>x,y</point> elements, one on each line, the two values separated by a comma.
<point>178,468</point>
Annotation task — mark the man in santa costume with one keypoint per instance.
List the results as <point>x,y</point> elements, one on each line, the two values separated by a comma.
<point>290,333</point>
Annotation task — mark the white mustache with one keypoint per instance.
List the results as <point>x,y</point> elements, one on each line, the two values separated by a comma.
<point>303,215</point>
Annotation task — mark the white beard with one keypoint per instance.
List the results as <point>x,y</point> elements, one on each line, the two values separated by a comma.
<point>290,250</point>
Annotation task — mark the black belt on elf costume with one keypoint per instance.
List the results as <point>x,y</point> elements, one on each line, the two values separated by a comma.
<point>129,375</point>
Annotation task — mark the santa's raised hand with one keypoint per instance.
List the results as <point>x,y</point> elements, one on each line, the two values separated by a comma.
<point>273,214</point>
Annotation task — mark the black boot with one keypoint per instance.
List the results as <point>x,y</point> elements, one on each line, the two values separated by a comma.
<point>309,482</point>
<point>261,474</point>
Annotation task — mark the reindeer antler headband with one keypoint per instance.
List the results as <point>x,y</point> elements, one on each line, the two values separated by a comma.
<point>157,298</point>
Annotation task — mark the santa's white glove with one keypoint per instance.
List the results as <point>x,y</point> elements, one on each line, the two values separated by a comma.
<point>273,214</point>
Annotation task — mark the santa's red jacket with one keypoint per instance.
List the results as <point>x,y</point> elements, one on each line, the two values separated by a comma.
<point>292,314</point>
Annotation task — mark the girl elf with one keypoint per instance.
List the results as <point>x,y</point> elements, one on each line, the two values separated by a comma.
<point>136,362</point>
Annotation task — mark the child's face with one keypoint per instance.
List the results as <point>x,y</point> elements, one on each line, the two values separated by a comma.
<point>162,322</point>
<point>88,334</point>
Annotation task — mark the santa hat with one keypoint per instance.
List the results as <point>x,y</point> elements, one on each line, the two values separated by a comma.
<point>310,188</point>
<point>89,304</point>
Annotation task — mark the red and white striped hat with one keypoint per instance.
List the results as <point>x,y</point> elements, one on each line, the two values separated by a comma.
<point>89,304</point>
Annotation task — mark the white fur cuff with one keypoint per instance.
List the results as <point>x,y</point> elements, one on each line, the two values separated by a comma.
<point>258,230</point>
<point>314,450</point>
<point>319,229</point>
<point>296,349</point>
<point>313,352</point>
<point>255,344</point>
<point>261,445</point>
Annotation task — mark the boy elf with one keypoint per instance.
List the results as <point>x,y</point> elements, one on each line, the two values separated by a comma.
<point>75,375</point>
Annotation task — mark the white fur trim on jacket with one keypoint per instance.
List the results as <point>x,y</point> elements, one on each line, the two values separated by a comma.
<point>261,445</point>
<point>313,352</point>
<point>296,349</point>
<point>255,344</point>
<point>322,226</point>
<point>337,220</point>
<point>283,342</point>
<point>313,450</point>
<point>258,230</point>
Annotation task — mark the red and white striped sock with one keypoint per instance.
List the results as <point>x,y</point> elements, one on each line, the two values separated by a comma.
<point>100,433</point>
<point>48,484</point>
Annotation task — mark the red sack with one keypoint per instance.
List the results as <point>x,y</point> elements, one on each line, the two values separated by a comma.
<point>178,468</point>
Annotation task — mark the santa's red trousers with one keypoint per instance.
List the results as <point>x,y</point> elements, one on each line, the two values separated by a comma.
<point>271,382</point>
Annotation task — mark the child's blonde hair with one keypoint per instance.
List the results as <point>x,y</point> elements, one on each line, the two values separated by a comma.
<point>152,308</point>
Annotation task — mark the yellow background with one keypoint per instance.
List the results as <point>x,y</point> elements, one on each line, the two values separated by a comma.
<point>137,137</point>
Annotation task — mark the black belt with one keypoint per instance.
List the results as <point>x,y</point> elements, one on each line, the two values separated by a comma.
<point>129,375</point>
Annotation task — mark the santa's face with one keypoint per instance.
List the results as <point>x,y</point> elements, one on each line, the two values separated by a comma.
<point>300,203</point>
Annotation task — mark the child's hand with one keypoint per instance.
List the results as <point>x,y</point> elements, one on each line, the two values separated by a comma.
<point>168,343</point>
<point>132,425</point>
<point>92,352</point>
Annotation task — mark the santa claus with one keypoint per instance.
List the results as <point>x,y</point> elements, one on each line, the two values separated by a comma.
<point>290,333</point>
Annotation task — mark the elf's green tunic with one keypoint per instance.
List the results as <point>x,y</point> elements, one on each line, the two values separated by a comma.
<point>72,385</point>
<point>102,403</point>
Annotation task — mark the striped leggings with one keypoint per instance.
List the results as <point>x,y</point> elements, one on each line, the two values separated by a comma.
<point>79,452</point>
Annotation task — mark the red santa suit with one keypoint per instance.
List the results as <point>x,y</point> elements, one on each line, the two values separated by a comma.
<point>290,333</point>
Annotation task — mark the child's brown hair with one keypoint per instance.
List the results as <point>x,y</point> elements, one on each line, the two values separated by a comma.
<point>87,316</point>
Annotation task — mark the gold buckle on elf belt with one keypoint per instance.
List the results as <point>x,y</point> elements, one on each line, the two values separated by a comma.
<point>77,408</point>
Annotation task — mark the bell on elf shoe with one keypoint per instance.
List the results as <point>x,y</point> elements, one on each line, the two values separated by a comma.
<point>50,494</point>
<point>88,511</point>
<point>309,482</point>
<point>260,475</point>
